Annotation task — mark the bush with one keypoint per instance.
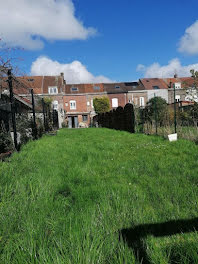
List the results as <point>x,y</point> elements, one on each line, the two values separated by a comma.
<point>5,139</point>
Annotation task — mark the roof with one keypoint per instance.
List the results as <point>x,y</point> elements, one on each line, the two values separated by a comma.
<point>122,87</point>
<point>84,88</point>
<point>185,81</point>
<point>153,83</point>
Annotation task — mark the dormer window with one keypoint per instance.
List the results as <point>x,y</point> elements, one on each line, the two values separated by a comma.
<point>52,90</point>
<point>74,89</point>
<point>30,80</point>
<point>177,85</point>
<point>117,87</point>
<point>155,87</point>
<point>96,88</point>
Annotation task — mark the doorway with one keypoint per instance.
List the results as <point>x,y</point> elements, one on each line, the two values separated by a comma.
<point>73,121</point>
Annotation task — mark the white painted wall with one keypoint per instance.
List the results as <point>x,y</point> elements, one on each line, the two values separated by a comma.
<point>161,92</point>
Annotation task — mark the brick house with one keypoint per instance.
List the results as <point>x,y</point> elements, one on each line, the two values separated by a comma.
<point>74,102</point>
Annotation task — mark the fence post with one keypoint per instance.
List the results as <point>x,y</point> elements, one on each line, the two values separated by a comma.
<point>175,115</point>
<point>12,103</point>
<point>44,119</point>
<point>34,116</point>
<point>155,115</point>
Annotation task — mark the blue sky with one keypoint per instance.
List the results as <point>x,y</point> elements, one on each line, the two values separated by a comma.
<point>124,34</point>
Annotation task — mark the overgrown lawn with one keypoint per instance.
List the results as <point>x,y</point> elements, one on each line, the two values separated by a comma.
<point>67,199</point>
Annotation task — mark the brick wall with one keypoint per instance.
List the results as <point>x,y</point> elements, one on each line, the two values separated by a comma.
<point>122,99</point>
<point>81,103</point>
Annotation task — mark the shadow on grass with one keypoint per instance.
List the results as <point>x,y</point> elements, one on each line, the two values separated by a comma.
<point>134,237</point>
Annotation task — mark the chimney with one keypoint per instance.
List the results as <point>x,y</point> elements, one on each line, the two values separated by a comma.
<point>175,75</point>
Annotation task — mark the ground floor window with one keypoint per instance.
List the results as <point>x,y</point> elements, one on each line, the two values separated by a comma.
<point>84,118</point>
<point>115,102</point>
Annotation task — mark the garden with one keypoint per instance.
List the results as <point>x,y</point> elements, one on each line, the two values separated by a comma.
<point>100,196</point>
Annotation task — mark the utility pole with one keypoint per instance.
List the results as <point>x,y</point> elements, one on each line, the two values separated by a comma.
<point>34,116</point>
<point>155,106</point>
<point>12,104</point>
<point>175,114</point>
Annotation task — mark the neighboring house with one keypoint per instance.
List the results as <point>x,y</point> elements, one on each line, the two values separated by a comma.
<point>22,106</point>
<point>74,102</point>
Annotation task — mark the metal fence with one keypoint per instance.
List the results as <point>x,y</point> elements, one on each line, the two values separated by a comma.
<point>22,118</point>
<point>164,119</point>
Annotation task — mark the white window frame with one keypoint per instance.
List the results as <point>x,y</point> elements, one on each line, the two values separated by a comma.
<point>72,104</point>
<point>177,98</point>
<point>52,89</point>
<point>92,106</point>
<point>177,85</point>
<point>142,101</point>
<point>114,102</point>
<point>55,105</point>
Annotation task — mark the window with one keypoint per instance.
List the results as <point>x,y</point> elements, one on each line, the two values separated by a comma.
<point>72,105</point>
<point>92,103</point>
<point>55,105</point>
<point>84,118</point>
<point>177,85</point>
<point>30,80</point>
<point>88,103</point>
<point>155,87</point>
<point>74,89</point>
<point>96,88</point>
<point>52,90</point>
<point>115,102</point>
<point>177,98</point>
<point>117,87</point>
<point>141,101</point>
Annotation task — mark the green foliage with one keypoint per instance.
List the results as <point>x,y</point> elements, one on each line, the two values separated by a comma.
<point>5,139</point>
<point>64,201</point>
<point>24,127</point>
<point>156,109</point>
<point>101,105</point>
<point>47,101</point>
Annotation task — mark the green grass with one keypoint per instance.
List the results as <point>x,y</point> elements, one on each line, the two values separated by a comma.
<point>64,198</point>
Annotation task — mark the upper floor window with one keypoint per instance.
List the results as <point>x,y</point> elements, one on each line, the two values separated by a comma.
<point>96,88</point>
<point>141,101</point>
<point>30,80</point>
<point>177,85</point>
<point>52,90</point>
<point>92,103</point>
<point>72,105</point>
<point>117,87</point>
<point>55,105</point>
<point>74,89</point>
<point>115,102</point>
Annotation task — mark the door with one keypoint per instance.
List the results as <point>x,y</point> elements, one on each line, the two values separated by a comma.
<point>76,121</point>
<point>70,122</point>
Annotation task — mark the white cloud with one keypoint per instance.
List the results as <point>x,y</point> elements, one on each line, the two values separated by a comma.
<point>74,72</point>
<point>155,70</point>
<point>189,41</point>
<point>23,23</point>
